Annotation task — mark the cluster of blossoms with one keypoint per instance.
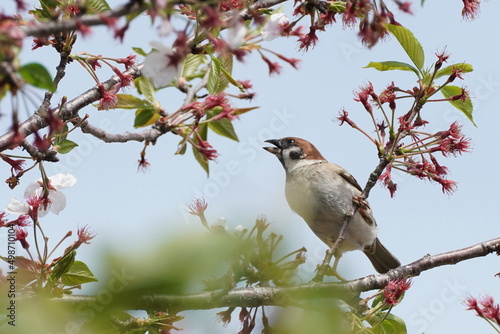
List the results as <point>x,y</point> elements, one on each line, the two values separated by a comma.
<point>485,308</point>
<point>41,197</point>
<point>41,146</point>
<point>18,225</point>
<point>219,29</point>
<point>418,157</point>
<point>217,103</point>
<point>91,63</point>
<point>412,159</point>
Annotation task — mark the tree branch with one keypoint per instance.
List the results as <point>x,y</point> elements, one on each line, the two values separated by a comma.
<point>281,296</point>
<point>68,111</point>
<point>71,108</point>
<point>258,5</point>
<point>150,134</point>
<point>49,28</point>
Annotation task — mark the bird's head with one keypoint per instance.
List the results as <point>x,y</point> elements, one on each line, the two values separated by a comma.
<point>293,152</point>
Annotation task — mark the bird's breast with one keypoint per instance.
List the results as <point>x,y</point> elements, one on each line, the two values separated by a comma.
<point>315,196</point>
<point>323,199</point>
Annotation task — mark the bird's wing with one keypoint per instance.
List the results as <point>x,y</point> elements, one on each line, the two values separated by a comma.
<point>363,206</point>
<point>349,178</point>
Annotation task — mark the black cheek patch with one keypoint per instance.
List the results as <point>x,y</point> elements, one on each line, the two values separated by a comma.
<point>296,154</point>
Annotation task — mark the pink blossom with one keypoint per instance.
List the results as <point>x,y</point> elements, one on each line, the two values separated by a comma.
<point>471,9</point>
<point>128,61</point>
<point>21,235</point>
<point>16,166</point>
<point>274,67</point>
<point>207,150</point>
<point>82,28</point>
<point>84,235</point>
<point>404,6</point>
<point>198,206</point>
<point>125,79</point>
<point>386,179</point>
<point>94,62</point>
<point>108,99</point>
<point>308,40</point>
<point>395,290</point>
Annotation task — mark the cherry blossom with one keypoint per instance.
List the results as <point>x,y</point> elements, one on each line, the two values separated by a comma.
<point>236,36</point>
<point>274,27</point>
<point>161,66</point>
<point>54,201</point>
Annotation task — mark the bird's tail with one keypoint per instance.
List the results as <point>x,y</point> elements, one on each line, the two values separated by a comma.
<point>380,257</point>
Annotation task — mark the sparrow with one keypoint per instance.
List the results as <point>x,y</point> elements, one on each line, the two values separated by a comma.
<point>322,193</point>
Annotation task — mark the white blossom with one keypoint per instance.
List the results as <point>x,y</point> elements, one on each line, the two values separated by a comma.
<point>56,199</point>
<point>160,66</point>
<point>236,35</point>
<point>220,224</point>
<point>165,27</point>
<point>273,28</point>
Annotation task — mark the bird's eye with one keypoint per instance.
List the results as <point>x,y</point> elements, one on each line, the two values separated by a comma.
<point>291,141</point>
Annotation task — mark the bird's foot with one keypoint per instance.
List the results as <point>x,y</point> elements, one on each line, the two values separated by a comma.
<point>360,201</point>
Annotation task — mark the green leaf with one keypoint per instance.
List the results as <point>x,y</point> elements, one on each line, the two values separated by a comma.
<point>410,44</point>
<point>465,68</point>
<point>183,147</point>
<point>379,301</point>
<point>62,266</point>
<point>78,273</point>
<point>37,75</point>
<point>214,77</point>
<point>65,146</point>
<point>145,87</point>
<point>202,160</point>
<point>203,131</point>
<point>337,6</point>
<point>98,6</point>
<point>139,51</point>
<point>223,127</point>
<point>391,65</point>
<point>390,325</point>
<point>226,62</point>
<point>49,3</point>
<point>464,106</point>
<point>241,111</point>
<point>60,136</point>
<point>220,74</point>
<point>41,15</point>
<point>227,69</point>
<point>145,117</point>
<point>47,12</point>
<point>126,101</point>
<point>191,65</point>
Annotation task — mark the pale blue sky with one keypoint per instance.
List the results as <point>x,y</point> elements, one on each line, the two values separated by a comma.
<point>129,210</point>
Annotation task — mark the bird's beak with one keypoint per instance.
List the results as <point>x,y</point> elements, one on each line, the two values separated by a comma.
<point>274,150</point>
